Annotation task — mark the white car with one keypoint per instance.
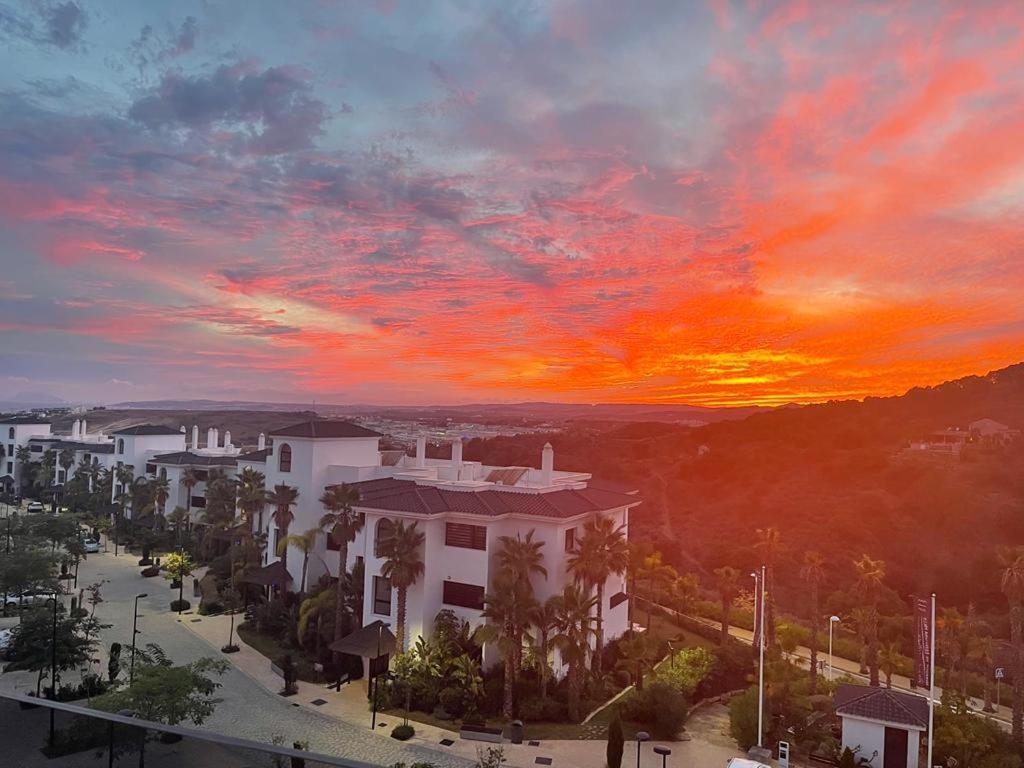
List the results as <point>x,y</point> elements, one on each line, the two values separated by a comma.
<point>35,506</point>
<point>743,762</point>
<point>31,597</point>
<point>91,546</point>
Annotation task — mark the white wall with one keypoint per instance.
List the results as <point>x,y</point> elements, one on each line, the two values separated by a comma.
<point>869,735</point>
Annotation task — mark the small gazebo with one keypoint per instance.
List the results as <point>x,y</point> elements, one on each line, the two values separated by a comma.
<point>374,643</point>
<point>270,577</point>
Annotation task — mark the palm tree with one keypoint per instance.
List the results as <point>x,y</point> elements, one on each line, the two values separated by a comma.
<point>813,574</point>
<point>66,459</point>
<point>403,564</point>
<point>305,543</point>
<point>189,479</point>
<point>24,455</point>
<point>636,654</point>
<point>178,518</point>
<point>949,627</point>
<point>727,582</point>
<point>984,651</point>
<point>252,495</point>
<point>544,617</point>
<point>575,628</point>
<point>46,472</point>
<point>768,546</point>
<point>282,498</point>
<point>342,525</point>
<point>601,552</point>
<point>659,576</point>
<point>520,559</point>
<point>501,609</point>
<point>870,574</point>
<point>161,489</point>
<point>889,661</point>
<point>316,608</point>
<point>1011,560</point>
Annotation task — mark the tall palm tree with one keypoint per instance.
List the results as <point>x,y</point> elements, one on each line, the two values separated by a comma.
<point>161,489</point>
<point>949,627</point>
<point>48,464</point>
<point>870,573</point>
<point>1011,561</point>
<point>500,613</point>
<point>252,495</point>
<point>281,499</point>
<point>24,455</point>
<point>402,566</point>
<point>178,518</point>
<point>768,545</point>
<point>813,574</point>
<point>575,628</point>
<point>544,618</point>
<point>66,459</point>
<point>727,582</point>
<point>189,479</point>
<point>601,552</point>
<point>983,651</point>
<point>305,543</point>
<point>889,661</point>
<point>342,525</point>
<point>520,558</point>
<point>658,576</point>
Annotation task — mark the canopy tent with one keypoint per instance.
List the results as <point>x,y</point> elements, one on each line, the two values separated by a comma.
<point>371,642</point>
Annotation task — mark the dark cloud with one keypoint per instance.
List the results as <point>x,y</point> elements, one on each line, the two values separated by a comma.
<point>273,111</point>
<point>65,24</point>
<point>185,40</point>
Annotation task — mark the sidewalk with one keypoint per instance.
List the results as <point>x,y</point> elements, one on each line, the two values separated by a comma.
<point>713,747</point>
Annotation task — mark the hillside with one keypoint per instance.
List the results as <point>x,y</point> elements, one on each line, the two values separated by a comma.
<point>831,477</point>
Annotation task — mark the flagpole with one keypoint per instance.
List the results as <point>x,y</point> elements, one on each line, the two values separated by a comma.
<point>760,668</point>
<point>931,688</point>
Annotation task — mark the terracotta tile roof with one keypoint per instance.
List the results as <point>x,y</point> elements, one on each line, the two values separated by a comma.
<point>325,428</point>
<point>882,704</point>
<point>407,496</point>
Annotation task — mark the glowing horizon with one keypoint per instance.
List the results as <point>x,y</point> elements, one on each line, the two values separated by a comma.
<point>708,203</point>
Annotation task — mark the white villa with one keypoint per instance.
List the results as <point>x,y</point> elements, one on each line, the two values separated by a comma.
<point>462,507</point>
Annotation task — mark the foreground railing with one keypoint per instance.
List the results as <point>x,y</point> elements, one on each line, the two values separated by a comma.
<point>88,737</point>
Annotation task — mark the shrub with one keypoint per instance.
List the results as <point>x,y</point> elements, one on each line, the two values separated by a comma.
<point>210,608</point>
<point>180,605</point>
<point>743,718</point>
<point>686,670</point>
<point>616,742</point>
<point>730,671</point>
<point>150,572</point>
<point>403,732</point>
<point>534,709</point>
<point>660,707</point>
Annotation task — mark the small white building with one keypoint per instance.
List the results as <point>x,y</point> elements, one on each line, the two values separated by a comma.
<point>881,726</point>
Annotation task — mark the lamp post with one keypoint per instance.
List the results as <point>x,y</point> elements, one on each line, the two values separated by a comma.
<point>375,679</point>
<point>135,631</point>
<point>664,752</point>
<point>832,621</point>
<point>641,737</point>
<point>759,590</point>
<point>181,578</point>
<point>53,667</point>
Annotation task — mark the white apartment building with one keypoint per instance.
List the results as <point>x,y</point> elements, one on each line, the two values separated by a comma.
<point>462,507</point>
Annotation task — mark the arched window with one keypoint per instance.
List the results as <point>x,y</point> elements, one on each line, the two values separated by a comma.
<point>284,459</point>
<point>120,445</point>
<point>383,532</point>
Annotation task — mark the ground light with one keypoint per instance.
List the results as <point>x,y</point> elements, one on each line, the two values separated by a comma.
<point>664,752</point>
<point>641,737</point>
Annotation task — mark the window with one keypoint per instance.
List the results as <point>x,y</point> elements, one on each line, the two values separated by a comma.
<point>570,539</point>
<point>199,501</point>
<point>87,458</point>
<point>10,467</point>
<point>36,449</point>
<point>163,473</point>
<point>10,433</point>
<point>284,459</point>
<point>463,595</point>
<point>150,469</point>
<point>465,536</point>
<point>384,529</point>
<point>381,596</point>
<point>332,545</point>
<point>10,449</point>
<point>120,445</point>
<point>61,474</point>
<point>277,538</point>
<point>201,475</point>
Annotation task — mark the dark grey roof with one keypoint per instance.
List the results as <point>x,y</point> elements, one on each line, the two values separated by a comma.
<point>77,445</point>
<point>23,419</point>
<point>882,704</point>
<point>257,457</point>
<point>325,428</point>
<point>373,640</point>
<point>187,459</point>
<point>149,429</point>
<point>407,496</point>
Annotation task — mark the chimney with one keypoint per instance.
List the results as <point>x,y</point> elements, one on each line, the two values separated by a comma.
<point>547,464</point>
<point>216,438</point>
<point>195,437</point>
<point>211,438</point>
<point>457,456</point>
<point>421,451</point>
<point>227,438</point>
<point>81,430</point>
<point>261,443</point>
<point>74,429</point>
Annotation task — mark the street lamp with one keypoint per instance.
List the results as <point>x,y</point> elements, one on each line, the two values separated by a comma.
<point>759,590</point>
<point>832,621</point>
<point>53,667</point>
<point>641,737</point>
<point>664,752</point>
<point>135,631</point>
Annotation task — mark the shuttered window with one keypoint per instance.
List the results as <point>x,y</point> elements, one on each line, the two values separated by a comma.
<point>463,595</point>
<point>465,536</point>
<point>381,596</point>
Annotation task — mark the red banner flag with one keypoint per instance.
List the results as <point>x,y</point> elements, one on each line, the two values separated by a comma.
<point>922,641</point>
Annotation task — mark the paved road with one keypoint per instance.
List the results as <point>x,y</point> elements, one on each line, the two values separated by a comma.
<point>246,709</point>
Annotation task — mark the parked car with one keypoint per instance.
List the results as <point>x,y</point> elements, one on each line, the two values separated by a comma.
<point>91,546</point>
<point>31,597</point>
<point>35,506</point>
<point>5,641</point>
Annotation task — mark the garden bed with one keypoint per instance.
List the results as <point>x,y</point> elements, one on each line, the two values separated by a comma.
<point>274,650</point>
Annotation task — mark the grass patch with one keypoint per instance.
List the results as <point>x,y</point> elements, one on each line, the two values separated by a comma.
<point>274,650</point>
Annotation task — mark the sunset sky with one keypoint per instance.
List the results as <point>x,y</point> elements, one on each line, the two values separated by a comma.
<point>409,202</point>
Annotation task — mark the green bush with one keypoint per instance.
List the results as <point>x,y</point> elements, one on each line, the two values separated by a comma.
<point>535,710</point>
<point>743,719</point>
<point>660,708</point>
<point>685,670</point>
<point>403,732</point>
<point>210,608</point>
<point>180,605</point>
